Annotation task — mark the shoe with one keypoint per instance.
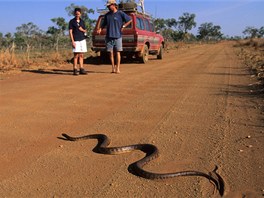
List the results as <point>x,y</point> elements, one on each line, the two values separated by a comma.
<point>82,71</point>
<point>75,72</point>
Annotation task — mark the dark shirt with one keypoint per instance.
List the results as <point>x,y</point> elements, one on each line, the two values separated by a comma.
<point>114,22</point>
<point>74,25</point>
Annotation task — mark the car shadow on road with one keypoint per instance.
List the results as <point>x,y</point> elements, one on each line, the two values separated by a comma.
<point>93,60</point>
<point>98,61</point>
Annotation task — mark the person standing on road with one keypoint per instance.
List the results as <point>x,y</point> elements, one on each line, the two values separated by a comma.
<point>113,21</point>
<point>77,31</point>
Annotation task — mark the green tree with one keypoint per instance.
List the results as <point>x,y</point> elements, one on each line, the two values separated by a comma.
<point>171,23</point>
<point>186,22</point>
<point>57,31</point>
<point>8,40</point>
<point>261,32</point>
<point>167,27</point>
<point>209,31</point>
<point>216,32</point>
<point>251,32</point>
<point>160,24</point>
<point>89,23</point>
<point>28,34</point>
<point>177,35</point>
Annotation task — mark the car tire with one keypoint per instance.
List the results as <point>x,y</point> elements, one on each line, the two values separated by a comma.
<point>160,54</point>
<point>145,54</point>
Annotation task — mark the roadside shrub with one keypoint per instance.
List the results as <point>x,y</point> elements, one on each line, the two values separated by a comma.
<point>252,54</point>
<point>7,60</point>
<point>17,59</point>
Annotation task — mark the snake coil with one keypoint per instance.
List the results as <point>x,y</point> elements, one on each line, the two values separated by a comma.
<point>151,153</point>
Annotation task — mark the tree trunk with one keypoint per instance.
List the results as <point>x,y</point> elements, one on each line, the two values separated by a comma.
<point>57,44</point>
<point>28,52</point>
<point>12,52</point>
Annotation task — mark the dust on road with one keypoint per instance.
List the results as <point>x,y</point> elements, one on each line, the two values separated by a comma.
<point>195,105</point>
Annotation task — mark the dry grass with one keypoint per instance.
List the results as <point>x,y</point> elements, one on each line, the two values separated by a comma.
<point>7,60</point>
<point>255,43</point>
<point>18,60</point>
<point>252,54</point>
<point>178,45</point>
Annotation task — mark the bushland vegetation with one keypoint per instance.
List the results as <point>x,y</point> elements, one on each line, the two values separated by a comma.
<point>251,52</point>
<point>30,46</point>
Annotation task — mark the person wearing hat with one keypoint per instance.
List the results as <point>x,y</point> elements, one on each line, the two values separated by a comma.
<point>115,21</point>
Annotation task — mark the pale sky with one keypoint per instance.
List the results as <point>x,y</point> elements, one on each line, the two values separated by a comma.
<point>232,15</point>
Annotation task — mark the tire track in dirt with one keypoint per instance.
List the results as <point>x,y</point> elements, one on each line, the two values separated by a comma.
<point>66,90</point>
<point>177,104</point>
<point>38,101</point>
<point>155,133</point>
<point>234,153</point>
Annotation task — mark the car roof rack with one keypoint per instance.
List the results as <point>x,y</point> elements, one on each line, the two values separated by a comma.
<point>128,6</point>
<point>102,11</point>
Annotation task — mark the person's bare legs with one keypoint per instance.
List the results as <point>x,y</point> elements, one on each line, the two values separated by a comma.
<point>75,63</point>
<point>75,60</point>
<point>82,70</point>
<point>81,60</point>
<point>78,57</point>
<point>112,58</point>
<point>118,57</point>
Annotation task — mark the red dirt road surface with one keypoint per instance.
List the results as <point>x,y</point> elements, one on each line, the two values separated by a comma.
<point>196,105</point>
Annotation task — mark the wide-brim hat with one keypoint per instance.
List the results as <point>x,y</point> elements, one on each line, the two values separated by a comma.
<point>110,2</point>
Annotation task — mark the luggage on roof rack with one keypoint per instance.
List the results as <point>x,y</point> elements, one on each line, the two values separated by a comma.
<point>132,6</point>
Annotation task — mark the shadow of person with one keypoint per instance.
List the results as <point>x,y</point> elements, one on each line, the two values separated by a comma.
<point>49,71</point>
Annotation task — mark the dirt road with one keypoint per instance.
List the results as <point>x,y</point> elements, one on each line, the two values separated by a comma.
<point>196,105</point>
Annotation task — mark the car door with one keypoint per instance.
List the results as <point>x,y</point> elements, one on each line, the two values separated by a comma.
<point>150,34</point>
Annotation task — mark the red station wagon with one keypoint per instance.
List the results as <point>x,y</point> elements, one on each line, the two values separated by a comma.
<point>139,38</point>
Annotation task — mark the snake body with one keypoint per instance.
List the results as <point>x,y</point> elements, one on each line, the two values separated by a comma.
<point>151,153</point>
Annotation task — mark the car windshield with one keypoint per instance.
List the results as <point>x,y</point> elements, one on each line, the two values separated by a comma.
<point>102,21</point>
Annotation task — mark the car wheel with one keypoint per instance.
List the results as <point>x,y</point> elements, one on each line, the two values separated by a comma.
<point>160,54</point>
<point>145,53</point>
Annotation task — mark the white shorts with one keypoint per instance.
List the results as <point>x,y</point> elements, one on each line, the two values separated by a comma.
<point>80,46</point>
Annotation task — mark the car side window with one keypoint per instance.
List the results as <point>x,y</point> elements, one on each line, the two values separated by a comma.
<point>151,27</point>
<point>129,26</point>
<point>147,24</point>
<point>140,24</point>
<point>101,22</point>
